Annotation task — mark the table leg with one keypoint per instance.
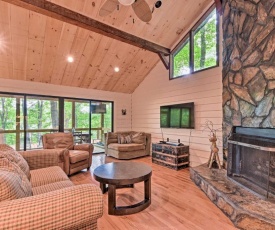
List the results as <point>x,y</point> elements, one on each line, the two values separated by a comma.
<point>103,188</point>
<point>147,190</point>
<point>111,199</point>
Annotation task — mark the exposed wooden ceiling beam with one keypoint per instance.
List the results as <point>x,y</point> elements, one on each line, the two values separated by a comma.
<point>61,13</point>
<point>164,60</point>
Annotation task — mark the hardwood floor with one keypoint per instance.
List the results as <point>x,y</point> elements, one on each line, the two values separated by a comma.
<point>177,203</point>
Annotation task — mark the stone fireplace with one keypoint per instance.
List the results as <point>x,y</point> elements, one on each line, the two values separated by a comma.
<point>251,160</point>
<point>248,68</point>
<point>249,103</point>
<point>248,64</point>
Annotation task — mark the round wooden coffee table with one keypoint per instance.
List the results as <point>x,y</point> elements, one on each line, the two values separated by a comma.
<point>124,174</point>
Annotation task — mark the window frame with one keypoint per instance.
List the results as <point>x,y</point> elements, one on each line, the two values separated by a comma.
<point>61,110</point>
<point>190,35</point>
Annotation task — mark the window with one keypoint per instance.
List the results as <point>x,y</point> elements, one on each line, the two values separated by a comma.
<point>182,60</point>
<point>25,118</point>
<point>199,49</point>
<point>42,117</point>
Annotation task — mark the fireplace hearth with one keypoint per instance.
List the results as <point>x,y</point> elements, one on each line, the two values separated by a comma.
<point>245,209</point>
<point>251,160</point>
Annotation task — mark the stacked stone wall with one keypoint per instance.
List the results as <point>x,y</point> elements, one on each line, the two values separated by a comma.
<point>248,64</point>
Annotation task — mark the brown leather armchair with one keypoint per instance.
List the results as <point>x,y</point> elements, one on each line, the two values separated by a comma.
<point>79,157</point>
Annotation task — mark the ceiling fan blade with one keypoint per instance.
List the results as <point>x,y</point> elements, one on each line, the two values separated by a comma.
<point>142,10</point>
<point>108,7</point>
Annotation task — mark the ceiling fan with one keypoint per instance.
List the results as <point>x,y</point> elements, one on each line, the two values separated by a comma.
<point>140,7</point>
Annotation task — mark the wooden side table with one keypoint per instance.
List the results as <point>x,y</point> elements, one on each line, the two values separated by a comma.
<point>173,157</point>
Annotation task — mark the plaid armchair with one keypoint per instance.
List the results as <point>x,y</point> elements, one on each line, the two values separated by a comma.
<point>35,193</point>
<point>79,157</point>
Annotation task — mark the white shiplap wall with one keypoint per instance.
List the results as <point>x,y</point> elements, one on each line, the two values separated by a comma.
<point>203,88</point>
<point>121,100</point>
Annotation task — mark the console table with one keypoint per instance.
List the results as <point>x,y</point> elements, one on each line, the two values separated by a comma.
<point>173,157</point>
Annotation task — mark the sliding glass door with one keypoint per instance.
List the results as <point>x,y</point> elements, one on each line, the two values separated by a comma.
<point>12,120</point>
<point>25,118</point>
<point>42,117</point>
<point>77,119</point>
<point>101,116</point>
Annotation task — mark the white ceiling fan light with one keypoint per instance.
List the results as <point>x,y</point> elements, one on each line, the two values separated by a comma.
<point>140,7</point>
<point>126,2</point>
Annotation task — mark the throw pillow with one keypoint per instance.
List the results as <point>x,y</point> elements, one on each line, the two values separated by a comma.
<point>121,139</point>
<point>12,155</point>
<point>139,138</point>
<point>14,183</point>
<point>128,139</point>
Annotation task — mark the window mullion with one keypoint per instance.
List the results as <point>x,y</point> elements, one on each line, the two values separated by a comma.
<point>61,115</point>
<point>191,51</point>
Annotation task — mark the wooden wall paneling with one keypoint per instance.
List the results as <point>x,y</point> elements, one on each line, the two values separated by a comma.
<point>142,71</point>
<point>127,57</point>
<point>49,65</point>
<point>77,6</point>
<point>53,33</point>
<point>66,15</point>
<point>19,35</point>
<point>77,49</point>
<point>6,62</point>
<point>127,79</point>
<point>207,98</point>
<point>126,72</point>
<point>95,63</point>
<point>91,8</point>
<point>122,56</point>
<point>36,39</point>
<point>123,19</point>
<point>63,51</point>
<point>87,56</point>
<point>167,33</point>
<point>105,68</point>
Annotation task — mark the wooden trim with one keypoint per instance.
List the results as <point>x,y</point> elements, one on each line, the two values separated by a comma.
<point>17,124</point>
<point>68,16</point>
<point>164,60</point>
<point>190,35</point>
<point>219,6</point>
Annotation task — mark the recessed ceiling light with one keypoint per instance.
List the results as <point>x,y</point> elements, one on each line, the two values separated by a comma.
<point>70,59</point>
<point>116,69</point>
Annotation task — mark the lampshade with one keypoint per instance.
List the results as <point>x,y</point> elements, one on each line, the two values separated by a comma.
<point>126,2</point>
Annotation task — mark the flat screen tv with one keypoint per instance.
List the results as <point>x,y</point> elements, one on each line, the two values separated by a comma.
<point>98,108</point>
<point>177,116</point>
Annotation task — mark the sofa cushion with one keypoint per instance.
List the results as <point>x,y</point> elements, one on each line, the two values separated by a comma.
<point>124,139</point>
<point>112,137</point>
<point>78,155</point>
<point>126,147</point>
<point>58,140</point>
<point>48,175</point>
<point>121,139</point>
<point>139,138</point>
<point>12,155</point>
<point>51,187</point>
<point>14,183</point>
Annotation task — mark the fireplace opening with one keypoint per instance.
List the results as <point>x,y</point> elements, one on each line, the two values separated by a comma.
<point>251,160</point>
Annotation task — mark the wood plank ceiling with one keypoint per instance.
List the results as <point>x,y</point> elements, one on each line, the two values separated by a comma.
<point>34,47</point>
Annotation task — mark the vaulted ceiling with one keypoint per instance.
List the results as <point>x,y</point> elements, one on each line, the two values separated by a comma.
<point>35,47</point>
